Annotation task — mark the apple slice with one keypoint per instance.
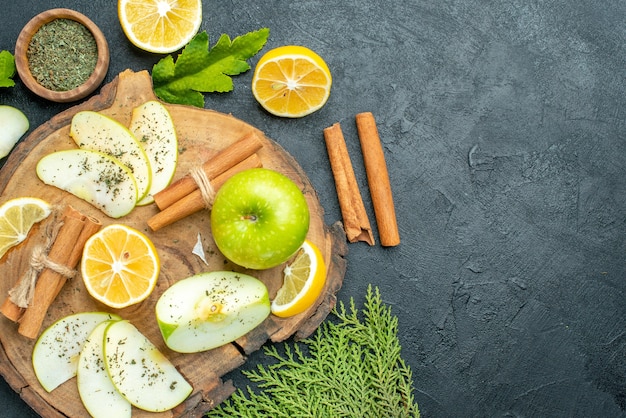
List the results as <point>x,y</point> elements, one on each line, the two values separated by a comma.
<point>211,309</point>
<point>96,390</point>
<point>152,126</point>
<point>56,352</point>
<point>140,372</point>
<point>14,124</point>
<point>96,132</point>
<point>93,176</point>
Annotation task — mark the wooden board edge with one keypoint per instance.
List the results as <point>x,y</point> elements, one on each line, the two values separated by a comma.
<point>336,273</point>
<point>209,401</point>
<point>21,387</point>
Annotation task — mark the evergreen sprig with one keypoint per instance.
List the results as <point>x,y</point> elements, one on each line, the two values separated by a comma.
<point>349,368</point>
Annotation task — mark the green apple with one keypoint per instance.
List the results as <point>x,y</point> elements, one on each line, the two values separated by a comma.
<point>96,132</point>
<point>211,309</point>
<point>100,397</point>
<point>152,126</point>
<point>14,124</point>
<point>140,372</point>
<point>57,350</point>
<point>93,176</point>
<point>259,218</point>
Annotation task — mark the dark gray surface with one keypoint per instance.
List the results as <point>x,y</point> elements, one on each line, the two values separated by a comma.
<point>504,127</point>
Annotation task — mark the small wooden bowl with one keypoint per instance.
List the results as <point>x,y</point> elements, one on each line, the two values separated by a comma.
<point>21,59</point>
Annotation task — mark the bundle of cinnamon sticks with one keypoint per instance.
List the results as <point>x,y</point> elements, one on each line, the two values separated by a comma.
<point>355,219</point>
<point>196,190</point>
<point>32,295</point>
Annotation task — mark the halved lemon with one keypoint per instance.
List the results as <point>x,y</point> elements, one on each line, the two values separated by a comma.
<point>120,266</point>
<point>17,217</point>
<point>160,26</point>
<point>304,279</point>
<point>291,81</point>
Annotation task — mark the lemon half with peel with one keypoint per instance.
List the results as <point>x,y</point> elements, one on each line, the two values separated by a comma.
<point>17,217</point>
<point>304,280</point>
<point>291,81</point>
<point>120,266</point>
<point>160,26</point>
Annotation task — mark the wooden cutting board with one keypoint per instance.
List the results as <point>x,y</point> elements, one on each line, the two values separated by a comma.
<point>201,134</point>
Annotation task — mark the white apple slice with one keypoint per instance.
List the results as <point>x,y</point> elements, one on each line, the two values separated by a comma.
<point>14,124</point>
<point>152,126</point>
<point>211,309</point>
<point>56,352</point>
<point>93,176</point>
<point>97,132</point>
<point>140,372</point>
<point>100,397</point>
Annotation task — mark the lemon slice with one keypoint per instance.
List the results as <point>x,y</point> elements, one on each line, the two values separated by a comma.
<point>17,217</point>
<point>291,81</point>
<point>304,279</point>
<point>120,266</point>
<point>160,26</point>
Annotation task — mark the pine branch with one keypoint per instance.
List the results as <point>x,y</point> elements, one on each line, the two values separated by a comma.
<point>350,368</point>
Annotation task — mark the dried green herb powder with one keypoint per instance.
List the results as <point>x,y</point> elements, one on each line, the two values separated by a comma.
<point>62,54</point>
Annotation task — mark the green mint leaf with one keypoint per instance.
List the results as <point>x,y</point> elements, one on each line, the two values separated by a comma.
<point>200,69</point>
<point>7,69</point>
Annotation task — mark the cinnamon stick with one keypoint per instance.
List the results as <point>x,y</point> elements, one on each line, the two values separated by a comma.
<point>378,179</point>
<point>225,159</point>
<point>11,310</point>
<point>355,219</point>
<point>194,201</point>
<point>15,305</point>
<point>66,252</point>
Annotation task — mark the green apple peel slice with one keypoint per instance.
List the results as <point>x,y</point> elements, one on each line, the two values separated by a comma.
<point>57,350</point>
<point>96,132</point>
<point>97,392</point>
<point>140,372</point>
<point>211,309</point>
<point>152,126</point>
<point>92,176</point>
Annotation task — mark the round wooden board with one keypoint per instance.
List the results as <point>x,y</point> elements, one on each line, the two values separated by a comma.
<point>201,134</point>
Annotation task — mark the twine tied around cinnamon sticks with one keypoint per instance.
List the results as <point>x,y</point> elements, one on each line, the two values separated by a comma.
<point>49,268</point>
<point>23,292</point>
<point>356,222</point>
<point>196,191</point>
<point>204,185</point>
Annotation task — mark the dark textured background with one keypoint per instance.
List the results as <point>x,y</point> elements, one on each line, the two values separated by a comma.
<point>504,127</point>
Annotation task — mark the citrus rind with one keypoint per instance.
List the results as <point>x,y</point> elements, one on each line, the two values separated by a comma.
<point>291,81</point>
<point>120,266</point>
<point>294,297</point>
<point>160,26</point>
<point>17,217</point>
